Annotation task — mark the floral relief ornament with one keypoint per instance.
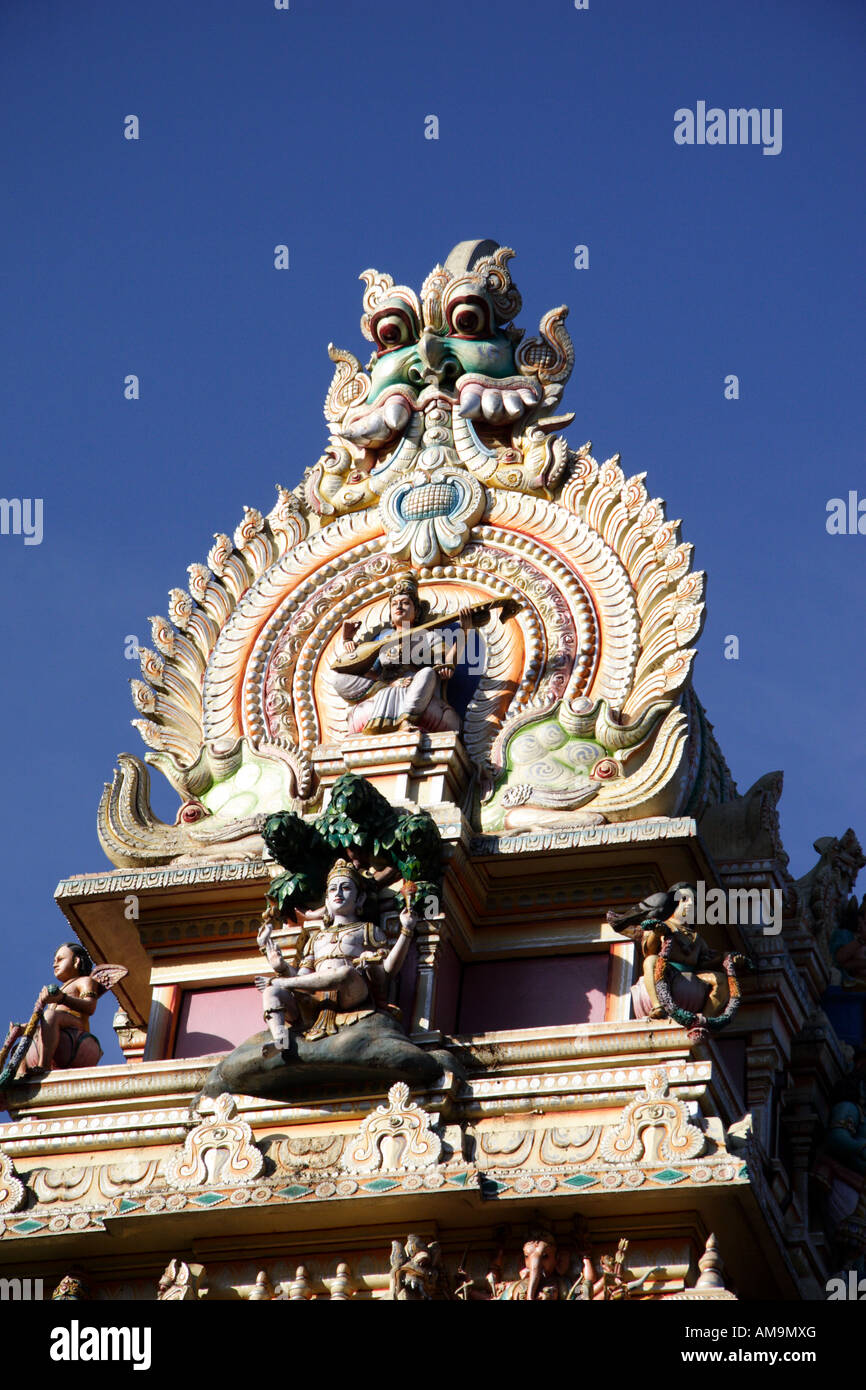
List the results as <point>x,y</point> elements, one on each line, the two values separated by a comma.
<point>220,1150</point>
<point>396,1135</point>
<point>430,515</point>
<point>654,1128</point>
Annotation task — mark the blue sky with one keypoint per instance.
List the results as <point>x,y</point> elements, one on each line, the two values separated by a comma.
<point>306,127</point>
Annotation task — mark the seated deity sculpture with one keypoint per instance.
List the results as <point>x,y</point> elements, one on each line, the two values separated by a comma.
<point>536,1281</point>
<point>398,683</point>
<point>58,1035</point>
<point>343,968</point>
<point>700,982</point>
<point>330,1008</point>
<point>549,1274</point>
<point>553,1272</point>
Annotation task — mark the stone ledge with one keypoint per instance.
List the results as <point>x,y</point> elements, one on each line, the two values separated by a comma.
<point>590,836</point>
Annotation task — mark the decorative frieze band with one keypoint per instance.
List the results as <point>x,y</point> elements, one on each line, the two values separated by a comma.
<point>591,836</point>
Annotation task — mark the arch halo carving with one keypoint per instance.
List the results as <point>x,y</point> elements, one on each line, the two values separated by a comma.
<point>576,634</point>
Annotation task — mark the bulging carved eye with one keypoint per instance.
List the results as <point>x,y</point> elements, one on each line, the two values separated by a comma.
<point>392,329</point>
<point>469,318</point>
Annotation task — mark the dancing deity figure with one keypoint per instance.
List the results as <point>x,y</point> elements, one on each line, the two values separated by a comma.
<point>344,966</point>
<point>397,684</point>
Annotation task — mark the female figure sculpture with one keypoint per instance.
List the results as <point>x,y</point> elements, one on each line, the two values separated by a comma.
<point>701,982</point>
<point>402,683</point>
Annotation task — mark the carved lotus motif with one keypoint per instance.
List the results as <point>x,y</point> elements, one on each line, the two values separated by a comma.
<point>396,1135</point>
<point>218,1150</point>
<point>431,518</point>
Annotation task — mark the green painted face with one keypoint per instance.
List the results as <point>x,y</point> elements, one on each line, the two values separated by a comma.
<point>440,358</point>
<point>451,349</point>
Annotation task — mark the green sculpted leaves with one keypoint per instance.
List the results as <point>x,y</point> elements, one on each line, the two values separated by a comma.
<point>358,819</point>
<point>416,847</point>
<point>294,843</point>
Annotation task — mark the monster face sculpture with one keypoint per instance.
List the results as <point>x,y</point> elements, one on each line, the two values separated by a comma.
<point>452,399</point>
<point>457,343</point>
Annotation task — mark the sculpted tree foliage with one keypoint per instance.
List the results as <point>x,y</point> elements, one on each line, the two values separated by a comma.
<point>362,825</point>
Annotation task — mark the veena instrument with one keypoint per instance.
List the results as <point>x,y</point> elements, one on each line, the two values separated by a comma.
<point>365,654</point>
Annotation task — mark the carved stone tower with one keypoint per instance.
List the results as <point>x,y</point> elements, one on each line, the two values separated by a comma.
<point>449,673</point>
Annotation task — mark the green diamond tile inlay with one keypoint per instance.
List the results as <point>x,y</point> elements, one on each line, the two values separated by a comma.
<point>127,1205</point>
<point>491,1186</point>
<point>744,1171</point>
<point>581,1180</point>
<point>380,1185</point>
<point>209,1199</point>
<point>669,1175</point>
<point>25,1228</point>
<point>296,1190</point>
<point>459,1179</point>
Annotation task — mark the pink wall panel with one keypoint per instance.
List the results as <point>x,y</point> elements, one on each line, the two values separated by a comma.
<point>447,989</point>
<point>536,993</point>
<point>216,1020</point>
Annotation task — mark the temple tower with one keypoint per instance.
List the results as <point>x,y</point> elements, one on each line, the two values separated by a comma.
<point>436,708</point>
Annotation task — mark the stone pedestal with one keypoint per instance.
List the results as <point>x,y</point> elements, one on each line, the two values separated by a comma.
<point>409,765</point>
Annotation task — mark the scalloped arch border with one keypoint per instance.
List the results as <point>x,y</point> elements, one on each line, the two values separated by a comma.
<point>609,538</point>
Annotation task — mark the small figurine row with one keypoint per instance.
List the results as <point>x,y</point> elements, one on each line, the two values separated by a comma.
<point>344,969</point>
<point>550,1272</point>
<point>553,1270</point>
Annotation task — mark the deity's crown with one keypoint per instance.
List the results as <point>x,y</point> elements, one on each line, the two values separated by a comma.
<point>406,583</point>
<point>341,868</point>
